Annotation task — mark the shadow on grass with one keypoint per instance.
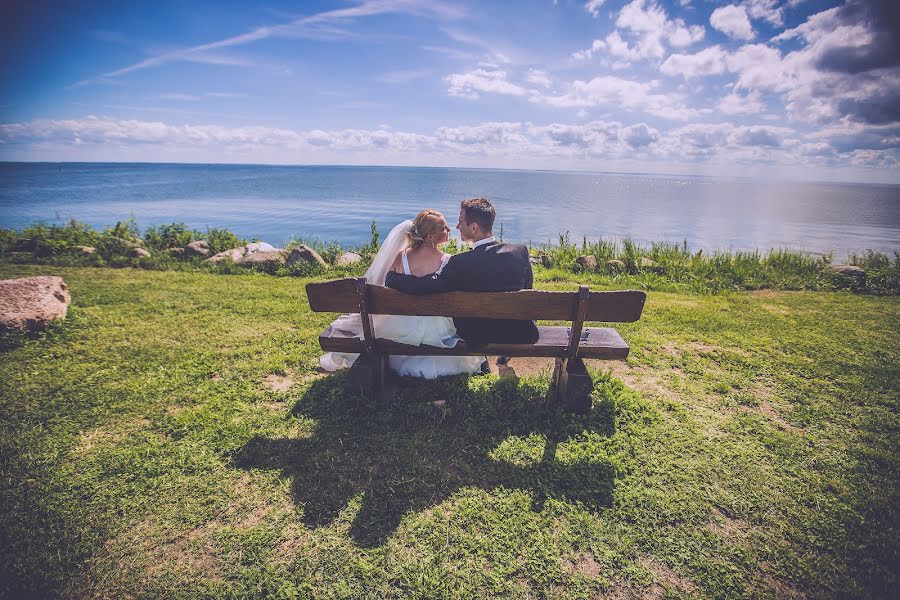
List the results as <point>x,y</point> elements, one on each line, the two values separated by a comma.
<point>437,437</point>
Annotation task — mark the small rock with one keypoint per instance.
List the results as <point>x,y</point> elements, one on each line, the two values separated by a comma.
<point>270,257</point>
<point>849,271</point>
<point>33,302</point>
<point>139,253</point>
<point>234,255</point>
<point>197,248</point>
<point>615,265</point>
<point>22,245</point>
<point>347,258</point>
<point>259,247</point>
<point>646,263</point>
<point>586,263</point>
<point>84,249</point>
<point>304,253</point>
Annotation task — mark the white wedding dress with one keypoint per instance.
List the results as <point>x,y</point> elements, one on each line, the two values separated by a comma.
<point>415,331</point>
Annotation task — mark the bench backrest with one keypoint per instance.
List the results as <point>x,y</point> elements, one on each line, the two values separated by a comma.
<point>345,296</point>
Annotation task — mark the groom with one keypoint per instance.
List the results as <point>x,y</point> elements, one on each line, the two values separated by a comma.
<point>488,267</point>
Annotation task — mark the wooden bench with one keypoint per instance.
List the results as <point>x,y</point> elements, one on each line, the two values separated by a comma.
<point>568,345</point>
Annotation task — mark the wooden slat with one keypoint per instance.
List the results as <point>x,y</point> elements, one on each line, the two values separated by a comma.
<point>600,342</point>
<point>340,296</point>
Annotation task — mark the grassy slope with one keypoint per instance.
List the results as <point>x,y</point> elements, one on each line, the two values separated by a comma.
<point>752,450</point>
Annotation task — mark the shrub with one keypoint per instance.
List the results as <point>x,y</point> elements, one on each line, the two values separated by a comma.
<point>174,235</point>
<point>49,240</point>
<point>220,240</point>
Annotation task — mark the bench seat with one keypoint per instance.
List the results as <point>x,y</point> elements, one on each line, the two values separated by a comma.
<point>596,342</point>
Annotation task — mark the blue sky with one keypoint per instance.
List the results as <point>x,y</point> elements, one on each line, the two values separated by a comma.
<point>799,89</point>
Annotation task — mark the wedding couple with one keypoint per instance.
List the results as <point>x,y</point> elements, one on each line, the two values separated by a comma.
<point>411,261</point>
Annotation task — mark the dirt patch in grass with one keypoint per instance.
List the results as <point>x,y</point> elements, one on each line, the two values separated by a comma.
<point>664,576</point>
<point>771,414</point>
<point>279,383</point>
<point>769,293</point>
<point>584,564</point>
<point>521,366</point>
<point>111,434</point>
<point>728,527</point>
<point>782,589</point>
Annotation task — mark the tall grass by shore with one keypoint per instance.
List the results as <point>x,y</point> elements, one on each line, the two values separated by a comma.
<point>661,266</point>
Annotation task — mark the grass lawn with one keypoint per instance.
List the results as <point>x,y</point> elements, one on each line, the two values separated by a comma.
<point>173,439</point>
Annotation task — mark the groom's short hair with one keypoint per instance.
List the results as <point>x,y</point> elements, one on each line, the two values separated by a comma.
<point>481,211</point>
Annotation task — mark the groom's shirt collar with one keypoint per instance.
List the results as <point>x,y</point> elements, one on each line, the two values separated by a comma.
<point>487,240</point>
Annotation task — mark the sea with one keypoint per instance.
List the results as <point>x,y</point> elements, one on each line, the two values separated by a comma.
<point>338,203</point>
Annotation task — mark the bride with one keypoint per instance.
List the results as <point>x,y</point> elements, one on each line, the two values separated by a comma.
<point>410,248</point>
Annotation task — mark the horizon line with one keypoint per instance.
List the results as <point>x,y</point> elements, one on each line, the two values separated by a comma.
<point>507,169</point>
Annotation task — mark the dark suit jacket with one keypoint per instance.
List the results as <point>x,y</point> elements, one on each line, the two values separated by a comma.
<point>491,267</point>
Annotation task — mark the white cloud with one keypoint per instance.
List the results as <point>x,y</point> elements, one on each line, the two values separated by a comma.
<point>737,104</point>
<point>639,135</point>
<point>596,46</point>
<point>709,61</point>
<point>404,75</point>
<point>768,10</point>
<point>468,85</point>
<point>491,143</point>
<point>652,29</point>
<point>309,26</point>
<point>733,21</point>
<point>538,77</point>
<point>622,93</point>
<point>649,31</point>
<point>593,7</point>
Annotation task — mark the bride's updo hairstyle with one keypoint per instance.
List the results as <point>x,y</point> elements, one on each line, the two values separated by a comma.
<point>427,221</point>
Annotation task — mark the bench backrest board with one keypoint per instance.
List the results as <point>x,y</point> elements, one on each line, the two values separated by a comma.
<point>343,296</point>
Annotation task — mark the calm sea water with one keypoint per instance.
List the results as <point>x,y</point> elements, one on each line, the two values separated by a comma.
<point>275,203</point>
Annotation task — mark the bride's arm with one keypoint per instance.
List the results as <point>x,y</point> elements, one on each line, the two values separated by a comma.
<point>397,265</point>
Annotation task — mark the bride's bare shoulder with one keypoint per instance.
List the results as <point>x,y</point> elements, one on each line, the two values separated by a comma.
<point>397,265</point>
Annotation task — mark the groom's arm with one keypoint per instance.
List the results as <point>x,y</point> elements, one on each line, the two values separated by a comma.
<point>431,284</point>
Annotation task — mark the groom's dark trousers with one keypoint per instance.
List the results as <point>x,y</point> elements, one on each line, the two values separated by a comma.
<point>491,267</point>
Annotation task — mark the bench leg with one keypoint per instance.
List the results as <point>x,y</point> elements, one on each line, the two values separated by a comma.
<point>560,379</point>
<point>371,374</point>
<point>576,392</point>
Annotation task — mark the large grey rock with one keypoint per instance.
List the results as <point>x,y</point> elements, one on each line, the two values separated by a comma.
<point>259,247</point>
<point>255,254</point>
<point>139,253</point>
<point>615,265</point>
<point>22,245</point>
<point>849,271</point>
<point>264,258</point>
<point>304,253</point>
<point>347,258</point>
<point>234,255</point>
<point>33,302</point>
<point>646,263</point>
<point>197,248</point>
<point>586,263</point>
<point>84,249</point>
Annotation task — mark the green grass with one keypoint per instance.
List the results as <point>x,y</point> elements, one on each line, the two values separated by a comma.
<point>748,448</point>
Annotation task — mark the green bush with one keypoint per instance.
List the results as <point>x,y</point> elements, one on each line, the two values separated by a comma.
<point>49,240</point>
<point>220,240</point>
<point>174,235</point>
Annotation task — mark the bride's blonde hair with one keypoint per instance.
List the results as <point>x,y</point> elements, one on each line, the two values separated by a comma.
<point>426,222</point>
